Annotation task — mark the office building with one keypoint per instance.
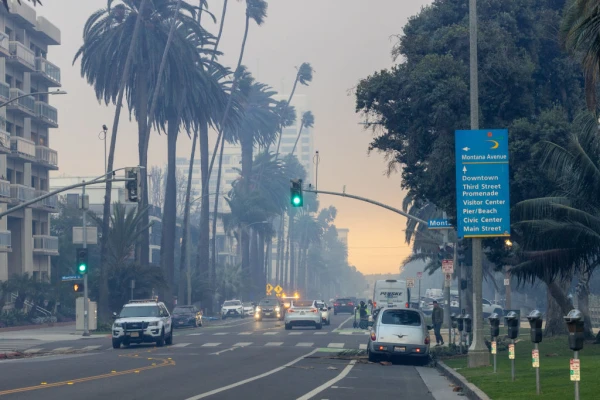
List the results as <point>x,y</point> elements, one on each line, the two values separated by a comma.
<point>26,154</point>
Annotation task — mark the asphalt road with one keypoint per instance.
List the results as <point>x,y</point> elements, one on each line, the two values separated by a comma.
<point>240,359</point>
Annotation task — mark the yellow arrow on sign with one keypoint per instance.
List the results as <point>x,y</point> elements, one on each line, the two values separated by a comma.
<point>269,287</point>
<point>278,289</point>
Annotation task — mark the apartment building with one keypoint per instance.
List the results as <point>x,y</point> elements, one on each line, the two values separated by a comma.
<point>26,154</point>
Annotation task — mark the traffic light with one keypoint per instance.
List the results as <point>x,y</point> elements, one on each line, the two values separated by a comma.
<point>82,261</point>
<point>460,250</point>
<point>78,287</point>
<point>296,193</point>
<point>134,185</point>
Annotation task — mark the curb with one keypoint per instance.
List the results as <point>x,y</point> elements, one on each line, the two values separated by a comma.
<point>470,390</point>
<point>10,355</point>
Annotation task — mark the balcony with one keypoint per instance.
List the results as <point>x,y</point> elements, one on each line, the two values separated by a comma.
<point>22,148</point>
<point>46,114</point>
<point>47,156</point>
<point>4,92</point>
<point>21,57</point>
<point>4,190</point>
<point>4,46</point>
<point>5,241</point>
<point>21,193</point>
<point>49,203</point>
<point>47,71</point>
<point>25,104</point>
<point>48,32</point>
<point>4,142</point>
<point>45,245</point>
<point>23,13</point>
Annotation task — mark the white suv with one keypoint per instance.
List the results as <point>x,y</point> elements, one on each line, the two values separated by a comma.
<point>232,308</point>
<point>142,321</point>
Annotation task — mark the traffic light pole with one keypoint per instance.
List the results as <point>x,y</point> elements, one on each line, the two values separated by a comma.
<point>86,314</point>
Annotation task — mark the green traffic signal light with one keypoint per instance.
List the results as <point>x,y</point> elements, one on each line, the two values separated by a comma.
<point>82,261</point>
<point>296,200</point>
<point>296,192</point>
<point>82,268</point>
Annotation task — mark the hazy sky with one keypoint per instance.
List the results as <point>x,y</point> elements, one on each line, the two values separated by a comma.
<point>344,40</point>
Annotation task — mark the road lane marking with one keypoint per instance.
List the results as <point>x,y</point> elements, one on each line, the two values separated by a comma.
<point>329,383</point>
<point>90,348</point>
<point>181,345</point>
<point>220,334</point>
<point>61,349</point>
<point>194,334</point>
<point>271,333</point>
<point>321,333</point>
<point>296,333</point>
<point>163,363</point>
<point>336,345</point>
<point>242,344</point>
<point>304,344</point>
<point>362,347</point>
<point>272,344</point>
<point>245,333</point>
<point>343,322</point>
<point>210,344</point>
<point>252,379</point>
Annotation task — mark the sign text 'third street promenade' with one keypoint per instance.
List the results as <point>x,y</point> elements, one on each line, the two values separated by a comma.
<point>482,183</point>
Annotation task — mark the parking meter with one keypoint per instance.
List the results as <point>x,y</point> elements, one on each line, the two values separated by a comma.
<point>574,322</point>
<point>512,322</point>
<point>461,322</point>
<point>468,323</point>
<point>535,322</point>
<point>494,325</point>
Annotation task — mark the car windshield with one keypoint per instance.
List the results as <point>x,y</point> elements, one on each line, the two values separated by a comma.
<point>401,317</point>
<point>302,303</point>
<point>343,301</point>
<point>183,310</point>
<point>231,303</point>
<point>267,303</point>
<point>248,304</point>
<point>139,311</point>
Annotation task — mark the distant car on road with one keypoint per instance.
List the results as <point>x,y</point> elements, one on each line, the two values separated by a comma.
<point>489,308</point>
<point>248,307</point>
<point>303,313</point>
<point>399,332</point>
<point>232,308</point>
<point>187,316</point>
<point>343,305</point>
<point>142,321</point>
<point>325,311</point>
<point>268,308</point>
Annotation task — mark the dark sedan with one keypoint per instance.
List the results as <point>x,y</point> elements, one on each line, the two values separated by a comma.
<point>344,305</point>
<point>186,316</point>
<point>268,308</point>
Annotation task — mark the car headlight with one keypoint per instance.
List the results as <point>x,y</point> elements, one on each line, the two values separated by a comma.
<point>277,309</point>
<point>117,325</point>
<point>153,323</point>
<point>258,309</point>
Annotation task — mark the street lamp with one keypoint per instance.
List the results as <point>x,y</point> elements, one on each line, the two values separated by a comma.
<point>31,94</point>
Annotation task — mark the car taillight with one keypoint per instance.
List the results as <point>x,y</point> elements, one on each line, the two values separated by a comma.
<point>350,304</point>
<point>406,305</point>
<point>290,310</point>
<point>426,339</point>
<point>373,336</point>
<point>336,304</point>
<point>313,310</point>
<point>374,304</point>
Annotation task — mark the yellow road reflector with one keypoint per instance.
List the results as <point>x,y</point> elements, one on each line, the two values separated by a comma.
<point>149,358</point>
<point>69,383</point>
<point>137,372</point>
<point>43,383</point>
<point>113,372</point>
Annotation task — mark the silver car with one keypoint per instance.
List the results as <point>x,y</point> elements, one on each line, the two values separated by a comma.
<point>399,332</point>
<point>325,311</point>
<point>303,313</point>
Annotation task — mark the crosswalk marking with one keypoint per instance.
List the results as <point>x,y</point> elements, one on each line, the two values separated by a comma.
<point>195,334</point>
<point>336,345</point>
<point>304,344</point>
<point>271,333</point>
<point>272,344</point>
<point>32,351</point>
<point>220,334</point>
<point>242,344</point>
<point>181,344</point>
<point>321,333</point>
<point>61,349</point>
<point>296,333</point>
<point>245,333</point>
<point>90,348</point>
<point>210,344</point>
<point>362,347</point>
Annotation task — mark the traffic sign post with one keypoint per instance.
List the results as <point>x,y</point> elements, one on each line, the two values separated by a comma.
<point>410,283</point>
<point>482,204</point>
<point>448,266</point>
<point>440,223</point>
<point>278,289</point>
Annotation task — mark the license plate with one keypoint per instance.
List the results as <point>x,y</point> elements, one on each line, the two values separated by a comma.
<point>134,334</point>
<point>180,322</point>
<point>343,304</point>
<point>400,349</point>
<point>301,312</point>
<point>268,314</point>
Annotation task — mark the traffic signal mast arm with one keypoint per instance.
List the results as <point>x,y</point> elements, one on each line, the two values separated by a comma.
<point>57,191</point>
<point>397,211</point>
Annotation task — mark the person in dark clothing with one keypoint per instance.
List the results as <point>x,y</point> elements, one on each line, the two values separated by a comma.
<point>437,317</point>
<point>362,309</point>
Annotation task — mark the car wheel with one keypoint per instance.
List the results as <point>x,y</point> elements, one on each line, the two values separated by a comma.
<point>223,317</point>
<point>372,357</point>
<point>169,340</point>
<point>160,342</point>
<point>318,326</point>
<point>116,344</point>
<point>288,327</point>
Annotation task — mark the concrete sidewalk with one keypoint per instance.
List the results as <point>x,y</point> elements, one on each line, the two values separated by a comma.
<point>46,334</point>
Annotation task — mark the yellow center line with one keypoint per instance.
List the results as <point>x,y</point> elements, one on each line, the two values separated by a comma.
<point>164,363</point>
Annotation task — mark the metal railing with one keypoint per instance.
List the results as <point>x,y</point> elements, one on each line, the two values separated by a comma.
<point>19,50</point>
<point>4,41</point>
<point>4,90</point>
<point>22,192</point>
<point>5,239</point>
<point>46,155</point>
<point>47,68</point>
<point>27,102</point>
<point>14,296</point>
<point>45,243</point>
<point>22,146</point>
<point>48,202</point>
<point>46,111</point>
<point>4,139</point>
<point>4,188</point>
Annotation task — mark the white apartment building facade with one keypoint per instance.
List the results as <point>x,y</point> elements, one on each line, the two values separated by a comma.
<point>26,155</point>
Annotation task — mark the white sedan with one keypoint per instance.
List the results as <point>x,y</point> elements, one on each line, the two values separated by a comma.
<point>303,313</point>
<point>325,312</point>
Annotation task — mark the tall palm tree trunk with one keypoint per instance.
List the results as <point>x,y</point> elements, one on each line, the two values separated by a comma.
<point>218,41</point>
<point>143,247</point>
<point>288,103</point>
<point>204,245</point>
<point>186,221</point>
<point>297,138</point>
<point>167,247</point>
<point>247,144</point>
<point>103,306</point>
<point>288,252</point>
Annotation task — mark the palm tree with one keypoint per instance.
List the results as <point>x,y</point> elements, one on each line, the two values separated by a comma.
<point>308,121</point>
<point>304,76</point>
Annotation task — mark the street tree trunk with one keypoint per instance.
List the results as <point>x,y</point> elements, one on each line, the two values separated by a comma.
<point>558,306</point>
<point>290,253</point>
<point>103,304</point>
<point>204,246</point>
<point>215,253</point>
<point>143,247</point>
<point>183,276</point>
<point>583,301</point>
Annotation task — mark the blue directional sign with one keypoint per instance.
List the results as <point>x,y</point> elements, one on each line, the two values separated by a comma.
<point>442,223</point>
<point>482,183</point>
<point>71,278</point>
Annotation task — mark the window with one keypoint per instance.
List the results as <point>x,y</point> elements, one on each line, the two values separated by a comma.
<point>305,149</point>
<point>302,303</point>
<point>232,303</point>
<point>401,317</point>
<point>139,311</point>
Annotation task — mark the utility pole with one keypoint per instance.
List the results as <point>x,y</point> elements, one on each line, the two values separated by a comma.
<point>446,286</point>
<point>478,352</point>
<point>86,315</point>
